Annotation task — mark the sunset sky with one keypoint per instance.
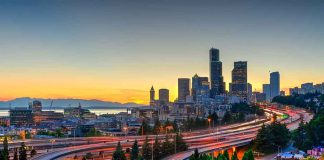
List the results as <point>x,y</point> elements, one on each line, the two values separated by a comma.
<point>115,51</point>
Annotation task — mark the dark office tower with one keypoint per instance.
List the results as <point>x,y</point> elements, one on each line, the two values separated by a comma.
<point>197,83</point>
<point>239,86</point>
<point>217,84</point>
<point>152,96</point>
<point>183,89</point>
<point>164,96</point>
<point>274,84</point>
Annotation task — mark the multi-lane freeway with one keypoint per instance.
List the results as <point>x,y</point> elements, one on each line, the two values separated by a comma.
<point>205,140</point>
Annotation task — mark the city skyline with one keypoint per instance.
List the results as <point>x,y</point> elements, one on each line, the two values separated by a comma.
<point>78,53</point>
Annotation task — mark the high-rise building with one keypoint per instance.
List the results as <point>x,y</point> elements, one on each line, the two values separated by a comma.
<point>259,97</point>
<point>307,88</point>
<point>152,96</point>
<point>163,96</point>
<point>266,91</point>
<point>183,89</point>
<point>274,84</point>
<point>217,84</point>
<point>197,83</point>
<point>239,85</point>
<point>36,106</point>
<point>249,92</point>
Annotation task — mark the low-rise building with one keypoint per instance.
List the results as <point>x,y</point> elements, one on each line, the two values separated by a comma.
<point>21,117</point>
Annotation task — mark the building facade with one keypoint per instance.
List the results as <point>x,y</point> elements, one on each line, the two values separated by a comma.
<point>183,89</point>
<point>217,84</point>
<point>21,117</point>
<point>274,84</point>
<point>266,91</point>
<point>239,85</point>
<point>164,96</point>
<point>152,96</point>
<point>200,87</point>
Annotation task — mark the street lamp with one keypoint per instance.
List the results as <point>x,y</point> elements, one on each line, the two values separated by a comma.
<point>52,141</point>
<point>125,129</point>
<point>209,122</point>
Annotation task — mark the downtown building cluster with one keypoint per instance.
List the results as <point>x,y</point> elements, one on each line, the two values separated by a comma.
<point>200,95</point>
<point>308,88</point>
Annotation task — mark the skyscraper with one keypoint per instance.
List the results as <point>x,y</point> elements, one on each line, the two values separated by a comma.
<point>239,86</point>
<point>152,96</point>
<point>266,91</point>
<point>274,84</point>
<point>217,84</point>
<point>163,96</point>
<point>183,89</point>
<point>197,83</point>
<point>249,92</point>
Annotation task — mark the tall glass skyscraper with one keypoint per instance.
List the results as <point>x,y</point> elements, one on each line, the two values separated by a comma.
<point>274,84</point>
<point>266,91</point>
<point>239,85</point>
<point>217,84</point>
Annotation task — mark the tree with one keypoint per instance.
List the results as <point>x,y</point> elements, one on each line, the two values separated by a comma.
<point>33,152</point>
<point>227,118</point>
<point>196,154</point>
<point>167,146</point>
<point>88,155</point>
<point>157,127</point>
<point>156,149</point>
<point>5,148</point>
<point>23,152</point>
<point>146,149</point>
<point>175,126</point>
<point>15,157</point>
<point>119,153</point>
<point>226,155</point>
<point>134,154</point>
<point>280,133</point>
<point>263,141</point>
<point>250,155</point>
<point>215,118</point>
<point>145,129</point>
<point>234,156</point>
<point>180,143</point>
<point>101,154</point>
<point>2,155</point>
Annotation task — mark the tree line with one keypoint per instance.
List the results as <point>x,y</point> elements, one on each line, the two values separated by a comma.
<point>157,149</point>
<point>248,155</point>
<point>310,134</point>
<point>22,150</point>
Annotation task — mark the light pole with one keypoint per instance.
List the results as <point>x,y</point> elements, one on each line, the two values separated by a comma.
<point>125,128</point>
<point>52,141</point>
<point>175,143</point>
<point>152,149</point>
<point>209,122</point>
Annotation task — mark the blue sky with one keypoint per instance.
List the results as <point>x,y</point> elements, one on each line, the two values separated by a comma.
<point>115,50</point>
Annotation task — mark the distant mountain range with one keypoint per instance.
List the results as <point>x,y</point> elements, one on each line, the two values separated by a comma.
<point>64,103</point>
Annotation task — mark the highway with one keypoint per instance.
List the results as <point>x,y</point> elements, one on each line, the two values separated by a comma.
<point>292,123</point>
<point>205,140</point>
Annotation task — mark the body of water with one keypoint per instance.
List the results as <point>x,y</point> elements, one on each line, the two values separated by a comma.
<point>98,112</point>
